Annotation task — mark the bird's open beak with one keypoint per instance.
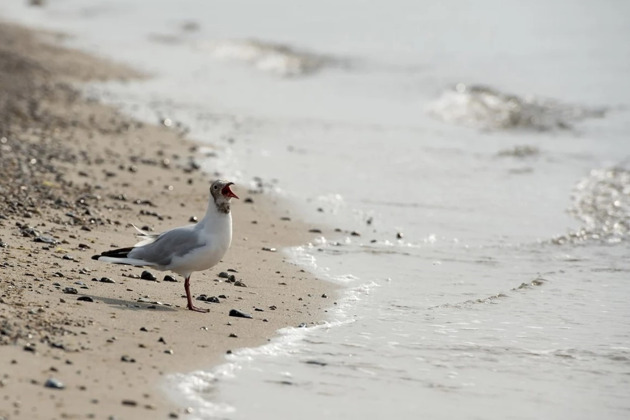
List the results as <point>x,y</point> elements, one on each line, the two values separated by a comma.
<point>226,191</point>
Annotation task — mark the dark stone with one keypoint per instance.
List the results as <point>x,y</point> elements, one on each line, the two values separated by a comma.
<point>70,290</point>
<point>239,283</point>
<point>85,299</point>
<point>266,248</point>
<point>193,219</point>
<point>213,299</point>
<point>129,403</point>
<point>231,278</point>
<point>127,359</point>
<point>146,275</point>
<point>315,230</point>
<point>169,278</point>
<point>106,280</point>
<point>239,314</point>
<point>248,200</point>
<point>399,235</point>
<point>355,233</point>
<point>223,275</point>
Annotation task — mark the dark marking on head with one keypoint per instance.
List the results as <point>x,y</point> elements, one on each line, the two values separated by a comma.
<point>219,191</point>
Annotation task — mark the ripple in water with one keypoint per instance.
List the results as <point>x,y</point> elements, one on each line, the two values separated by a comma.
<point>487,108</point>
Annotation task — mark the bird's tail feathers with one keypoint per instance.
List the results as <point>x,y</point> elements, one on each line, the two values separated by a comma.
<point>114,253</point>
<point>126,261</point>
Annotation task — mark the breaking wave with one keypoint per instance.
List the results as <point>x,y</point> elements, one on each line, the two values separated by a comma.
<point>602,202</point>
<point>486,108</point>
<point>280,59</point>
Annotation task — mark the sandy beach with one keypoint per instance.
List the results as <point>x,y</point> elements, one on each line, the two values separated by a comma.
<point>84,339</point>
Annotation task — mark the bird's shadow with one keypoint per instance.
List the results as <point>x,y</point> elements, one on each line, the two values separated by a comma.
<point>134,305</point>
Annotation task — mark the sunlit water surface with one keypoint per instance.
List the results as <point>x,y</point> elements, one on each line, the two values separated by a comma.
<point>481,151</point>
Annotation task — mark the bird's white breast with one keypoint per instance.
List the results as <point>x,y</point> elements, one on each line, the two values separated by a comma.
<point>217,233</point>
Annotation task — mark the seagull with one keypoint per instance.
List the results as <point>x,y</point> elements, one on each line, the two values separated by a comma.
<point>185,249</point>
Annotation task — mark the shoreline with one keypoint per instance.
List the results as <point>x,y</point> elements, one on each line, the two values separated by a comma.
<point>76,175</point>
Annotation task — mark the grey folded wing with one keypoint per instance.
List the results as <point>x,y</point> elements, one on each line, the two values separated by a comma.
<point>173,243</point>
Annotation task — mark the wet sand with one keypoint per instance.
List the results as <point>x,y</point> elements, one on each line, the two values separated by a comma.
<point>74,176</point>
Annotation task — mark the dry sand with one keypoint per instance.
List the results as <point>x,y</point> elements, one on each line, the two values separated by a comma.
<point>74,175</point>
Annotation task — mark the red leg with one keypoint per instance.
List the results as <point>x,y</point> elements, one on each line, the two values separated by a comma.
<point>189,297</point>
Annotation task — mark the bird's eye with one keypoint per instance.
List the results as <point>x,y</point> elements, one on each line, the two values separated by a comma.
<point>215,187</point>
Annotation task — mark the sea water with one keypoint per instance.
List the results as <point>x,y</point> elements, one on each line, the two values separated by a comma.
<point>475,158</point>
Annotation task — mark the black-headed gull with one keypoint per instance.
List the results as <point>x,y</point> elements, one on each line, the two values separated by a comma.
<point>185,249</point>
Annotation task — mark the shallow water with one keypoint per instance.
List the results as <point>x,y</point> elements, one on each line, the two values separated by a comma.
<point>506,296</point>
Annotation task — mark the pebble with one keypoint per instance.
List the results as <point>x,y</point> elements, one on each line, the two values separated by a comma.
<point>85,299</point>
<point>169,351</point>
<point>46,240</point>
<point>54,384</point>
<point>147,275</point>
<point>239,283</point>
<point>70,290</point>
<point>106,280</point>
<point>223,275</point>
<point>130,403</point>
<point>193,219</point>
<point>127,359</point>
<point>239,314</point>
<point>265,248</point>
<point>315,230</point>
<point>399,235</point>
<point>170,278</point>
<point>206,298</point>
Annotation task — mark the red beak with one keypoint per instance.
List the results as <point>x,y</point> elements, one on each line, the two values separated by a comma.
<point>226,191</point>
